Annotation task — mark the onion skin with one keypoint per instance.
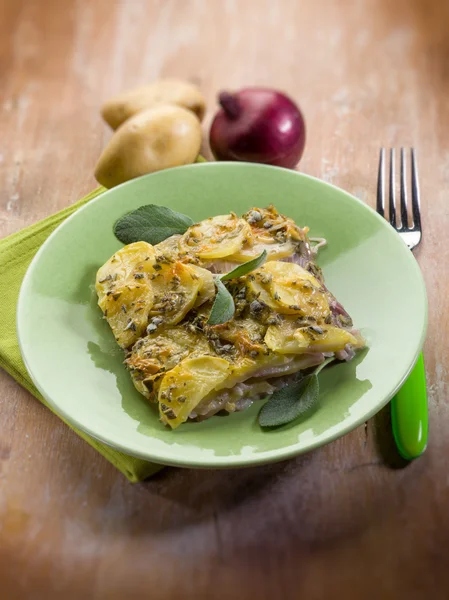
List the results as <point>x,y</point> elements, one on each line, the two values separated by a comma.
<point>258,125</point>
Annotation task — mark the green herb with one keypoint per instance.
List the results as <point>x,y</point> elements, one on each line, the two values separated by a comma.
<point>289,403</point>
<point>150,223</point>
<point>245,268</point>
<point>223,308</point>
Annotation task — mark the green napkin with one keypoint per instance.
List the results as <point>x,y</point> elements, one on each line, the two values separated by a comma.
<point>16,253</point>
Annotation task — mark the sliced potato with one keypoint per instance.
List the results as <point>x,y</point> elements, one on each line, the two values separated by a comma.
<point>169,247</point>
<point>135,285</point>
<point>286,338</point>
<point>289,289</point>
<point>275,250</point>
<point>246,335</point>
<point>176,288</point>
<point>216,237</point>
<point>126,309</point>
<point>259,290</point>
<point>271,231</point>
<point>160,93</point>
<point>207,285</point>
<point>124,264</point>
<point>154,355</point>
<point>187,384</point>
<point>125,293</point>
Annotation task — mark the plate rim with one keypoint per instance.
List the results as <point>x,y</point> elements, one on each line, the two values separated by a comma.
<point>231,461</point>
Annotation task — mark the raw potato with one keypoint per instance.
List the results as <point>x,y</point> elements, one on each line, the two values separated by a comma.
<point>152,140</point>
<point>160,93</point>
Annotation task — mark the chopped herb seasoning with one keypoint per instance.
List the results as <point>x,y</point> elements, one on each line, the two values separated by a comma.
<point>131,325</point>
<point>266,278</point>
<point>316,329</point>
<point>274,319</point>
<point>107,278</point>
<point>254,217</point>
<point>148,383</point>
<point>345,320</point>
<point>256,306</point>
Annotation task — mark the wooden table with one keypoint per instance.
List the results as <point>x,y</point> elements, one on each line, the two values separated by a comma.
<point>349,520</point>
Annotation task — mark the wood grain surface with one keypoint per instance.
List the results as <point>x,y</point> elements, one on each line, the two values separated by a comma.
<point>349,520</point>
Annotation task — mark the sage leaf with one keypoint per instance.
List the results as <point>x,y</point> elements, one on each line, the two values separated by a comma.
<point>246,267</point>
<point>289,403</point>
<point>223,307</point>
<point>150,223</point>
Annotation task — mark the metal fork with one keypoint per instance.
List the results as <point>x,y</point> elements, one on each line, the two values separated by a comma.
<point>409,413</point>
<point>411,234</point>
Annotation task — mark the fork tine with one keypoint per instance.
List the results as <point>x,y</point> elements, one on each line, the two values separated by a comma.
<point>381,184</point>
<point>404,217</point>
<point>415,193</point>
<point>392,208</point>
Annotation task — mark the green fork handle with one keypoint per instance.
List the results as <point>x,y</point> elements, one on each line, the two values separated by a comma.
<point>409,414</point>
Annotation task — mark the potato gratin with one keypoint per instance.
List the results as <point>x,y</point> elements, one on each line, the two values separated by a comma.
<point>157,301</point>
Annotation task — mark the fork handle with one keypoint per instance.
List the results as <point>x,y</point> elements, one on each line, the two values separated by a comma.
<point>409,413</point>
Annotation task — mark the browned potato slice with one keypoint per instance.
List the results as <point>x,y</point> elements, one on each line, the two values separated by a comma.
<point>207,285</point>
<point>176,287</point>
<point>216,237</point>
<point>126,310</point>
<point>160,93</point>
<point>187,384</point>
<point>169,247</point>
<point>277,234</point>
<point>155,354</point>
<point>124,264</point>
<point>289,289</point>
<point>274,250</point>
<point>286,338</point>
<point>125,293</point>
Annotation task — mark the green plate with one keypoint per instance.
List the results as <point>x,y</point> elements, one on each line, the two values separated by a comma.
<point>73,359</point>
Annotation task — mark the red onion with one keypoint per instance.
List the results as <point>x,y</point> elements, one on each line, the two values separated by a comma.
<point>258,125</point>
